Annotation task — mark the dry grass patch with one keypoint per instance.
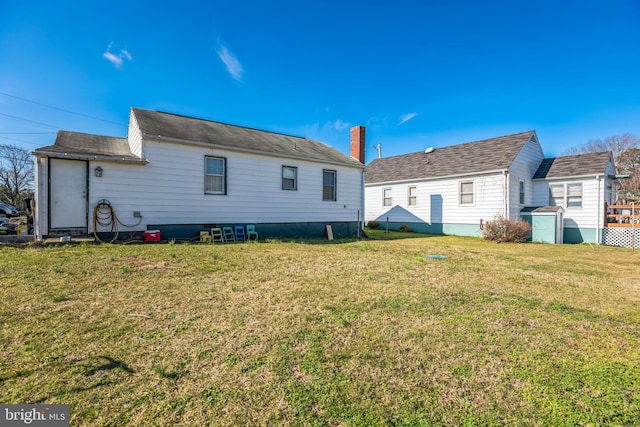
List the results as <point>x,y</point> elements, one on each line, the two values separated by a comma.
<point>352,333</point>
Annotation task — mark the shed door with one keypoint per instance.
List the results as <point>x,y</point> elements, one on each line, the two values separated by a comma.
<point>68,193</point>
<point>544,228</point>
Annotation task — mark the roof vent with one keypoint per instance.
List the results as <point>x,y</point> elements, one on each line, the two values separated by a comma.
<point>430,150</point>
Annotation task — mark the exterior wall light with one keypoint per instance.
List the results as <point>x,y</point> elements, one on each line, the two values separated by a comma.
<point>98,172</point>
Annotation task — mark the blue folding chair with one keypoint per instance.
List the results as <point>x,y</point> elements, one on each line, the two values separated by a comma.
<point>240,235</point>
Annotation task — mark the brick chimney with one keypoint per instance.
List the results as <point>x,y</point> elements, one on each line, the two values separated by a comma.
<point>357,143</point>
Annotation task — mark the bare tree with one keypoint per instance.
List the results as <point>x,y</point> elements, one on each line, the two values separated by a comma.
<point>16,173</point>
<point>626,153</point>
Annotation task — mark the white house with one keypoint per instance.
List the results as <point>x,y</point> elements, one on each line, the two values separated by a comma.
<point>582,185</point>
<point>456,189</point>
<point>182,175</point>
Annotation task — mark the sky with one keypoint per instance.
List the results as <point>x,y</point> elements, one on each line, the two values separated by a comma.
<point>416,74</point>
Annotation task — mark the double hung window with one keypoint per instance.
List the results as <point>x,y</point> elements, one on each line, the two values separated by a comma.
<point>466,193</point>
<point>329,185</point>
<point>289,178</point>
<point>215,175</point>
<point>387,199</point>
<point>412,194</point>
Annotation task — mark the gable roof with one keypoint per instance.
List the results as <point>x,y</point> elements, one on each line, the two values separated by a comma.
<point>77,145</point>
<point>463,159</point>
<point>181,129</point>
<point>577,165</point>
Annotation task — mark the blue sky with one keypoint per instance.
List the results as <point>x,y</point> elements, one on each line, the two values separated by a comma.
<point>415,73</point>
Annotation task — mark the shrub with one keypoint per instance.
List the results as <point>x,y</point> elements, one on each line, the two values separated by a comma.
<point>405,228</point>
<point>506,230</point>
<point>373,225</point>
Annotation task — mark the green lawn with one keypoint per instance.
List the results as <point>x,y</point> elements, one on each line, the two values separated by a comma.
<point>354,333</point>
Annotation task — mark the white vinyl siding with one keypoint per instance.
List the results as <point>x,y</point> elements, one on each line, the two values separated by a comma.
<point>169,189</point>
<point>522,170</point>
<point>589,215</point>
<point>387,197</point>
<point>412,196</point>
<point>438,201</point>
<point>134,137</point>
<point>466,193</point>
<point>215,173</point>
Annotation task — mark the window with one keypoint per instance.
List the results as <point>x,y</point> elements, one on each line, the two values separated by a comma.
<point>289,178</point>
<point>466,192</point>
<point>566,195</point>
<point>215,175</point>
<point>413,196</point>
<point>556,195</point>
<point>574,195</point>
<point>328,185</point>
<point>521,192</point>
<point>386,197</point>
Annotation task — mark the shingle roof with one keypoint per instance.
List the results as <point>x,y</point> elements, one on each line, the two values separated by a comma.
<point>472,157</point>
<point>154,124</point>
<point>84,145</point>
<point>578,165</point>
<point>541,209</point>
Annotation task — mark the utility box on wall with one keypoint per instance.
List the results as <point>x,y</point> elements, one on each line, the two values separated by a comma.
<point>547,223</point>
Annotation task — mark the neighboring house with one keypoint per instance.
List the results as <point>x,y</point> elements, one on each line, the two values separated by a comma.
<point>182,175</point>
<point>456,189</point>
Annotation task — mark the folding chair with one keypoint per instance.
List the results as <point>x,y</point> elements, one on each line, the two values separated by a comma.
<point>216,235</point>
<point>251,231</point>
<point>228,234</point>
<point>205,236</point>
<point>240,236</point>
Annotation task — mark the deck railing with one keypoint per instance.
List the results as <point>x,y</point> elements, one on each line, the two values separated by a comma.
<point>622,216</point>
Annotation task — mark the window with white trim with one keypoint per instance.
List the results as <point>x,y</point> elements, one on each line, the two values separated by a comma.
<point>466,193</point>
<point>556,195</point>
<point>412,195</point>
<point>574,195</point>
<point>521,188</point>
<point>329,185</point>
<point>567,195</point>
<point>387,199</point>
<point>215,175</point>
<point>289,178</point>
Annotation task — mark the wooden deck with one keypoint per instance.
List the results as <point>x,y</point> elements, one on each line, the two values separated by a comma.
<point>622,216</point>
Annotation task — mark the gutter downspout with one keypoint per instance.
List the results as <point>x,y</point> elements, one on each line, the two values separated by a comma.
<point>361,225</point>
<point>37,197</point>
<point>598,216</point>
<point>506,193</point>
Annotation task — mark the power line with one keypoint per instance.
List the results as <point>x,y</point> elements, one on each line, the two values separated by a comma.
<point>26,133</point>
<point>62,109</point>
<point>28,120</point>
<point>21,140</point>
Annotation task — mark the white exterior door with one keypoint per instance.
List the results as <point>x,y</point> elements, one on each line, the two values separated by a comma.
<point>68,193</point>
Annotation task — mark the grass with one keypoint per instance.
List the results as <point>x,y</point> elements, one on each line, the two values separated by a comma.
<point>313,333</point>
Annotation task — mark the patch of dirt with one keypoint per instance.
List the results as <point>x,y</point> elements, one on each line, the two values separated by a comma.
<point>143,264</point>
